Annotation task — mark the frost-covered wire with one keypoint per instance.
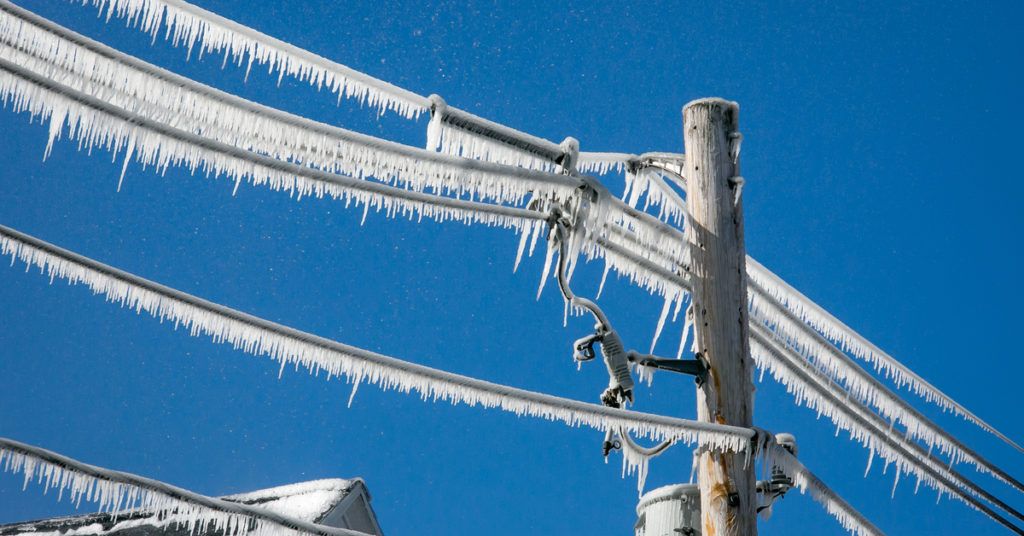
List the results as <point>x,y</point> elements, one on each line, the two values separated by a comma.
<point>862,386</point>
<point>97,124</point>
<point>131,88</point>
<point>460,133</point>
<point>816,392</point>
<point>837,507</point>
<point>97,121</point>
<point>195,28</point>
<point>467,135</point>
<point>850,341</point>
<point>159,95</point>
<point>288,346</point>
<point>645,179</point>
<point>117,493</point>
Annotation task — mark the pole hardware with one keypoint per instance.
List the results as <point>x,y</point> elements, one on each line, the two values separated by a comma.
<point>605,340</point>
<point>690,367</point>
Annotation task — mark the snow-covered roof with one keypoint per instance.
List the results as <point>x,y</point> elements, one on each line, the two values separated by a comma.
<point>305,501</point>
<point>315,501</point>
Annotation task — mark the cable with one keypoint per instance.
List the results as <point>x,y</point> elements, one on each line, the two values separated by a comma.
<point>258,336</point>
<point>160,95</point>
<point>165,145</point>
<point>118,492</point>
<point>865,423</point>
<point>194,26</point>
<point>834,329</point>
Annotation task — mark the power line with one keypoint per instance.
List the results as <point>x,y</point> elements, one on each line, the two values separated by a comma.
<point>118,493</point>
<point>157,94</point>
<point>289,346</point>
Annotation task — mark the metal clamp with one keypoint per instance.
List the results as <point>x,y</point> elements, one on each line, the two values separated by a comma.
<point>691,367</point>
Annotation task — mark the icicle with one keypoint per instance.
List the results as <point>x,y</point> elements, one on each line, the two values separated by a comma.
<point>604,278</point>
<point>356,380</point>
<point>687,325</point>
<point>661,321</point>
<point>547,269</point>
<point>127,158</point>
<point>524,236</point>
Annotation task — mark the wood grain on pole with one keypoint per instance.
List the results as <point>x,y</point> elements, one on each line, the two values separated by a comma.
<point>715,232</point>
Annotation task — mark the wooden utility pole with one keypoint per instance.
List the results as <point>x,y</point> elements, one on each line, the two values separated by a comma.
<point>715,231</point>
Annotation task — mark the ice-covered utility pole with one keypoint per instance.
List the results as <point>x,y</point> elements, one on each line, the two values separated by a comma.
<point>715,232</point>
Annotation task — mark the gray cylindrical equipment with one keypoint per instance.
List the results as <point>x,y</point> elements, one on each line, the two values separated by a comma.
<point>669,511</point>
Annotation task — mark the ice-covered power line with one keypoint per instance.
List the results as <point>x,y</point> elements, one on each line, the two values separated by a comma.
<point>119,493</point>
<point>851,341</point>
<point>159,95</point>
<point>806,481</point>
<point>456,131</point>
<point>96,123</point>
<point>223,119</point>
<point>288,346</point>
<point>128,88</point>
<point>860,385</point>
<point>820,394</point>
<point>864,387</point>
<point>196,28</point>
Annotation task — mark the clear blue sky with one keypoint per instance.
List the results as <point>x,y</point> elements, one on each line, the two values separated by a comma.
<point>879,181</point>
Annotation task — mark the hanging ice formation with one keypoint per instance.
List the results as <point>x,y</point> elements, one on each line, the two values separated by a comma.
<point>196,28</point>
<point>643,182</point>
<point>455,141</point>
<point>848,340</point>
<point>97,124</point>
<point>818,393</point>
<point>260,337</point>
<point>777,304</point>
<point>161,96</point>
<point>121,493</point>
<point>863,387</point>
<point>837,507</point>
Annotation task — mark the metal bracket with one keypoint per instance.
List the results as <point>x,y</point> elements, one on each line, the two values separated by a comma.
<point>583,348</point>
<point>691,367</point>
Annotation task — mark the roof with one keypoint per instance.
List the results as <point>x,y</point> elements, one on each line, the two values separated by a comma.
<point>334,502</point>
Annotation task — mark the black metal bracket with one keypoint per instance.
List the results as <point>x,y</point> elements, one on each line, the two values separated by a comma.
<point>690,367</point>
<point>583,348</point>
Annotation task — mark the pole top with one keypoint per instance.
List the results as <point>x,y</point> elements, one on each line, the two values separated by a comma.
<point>713,102</point>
